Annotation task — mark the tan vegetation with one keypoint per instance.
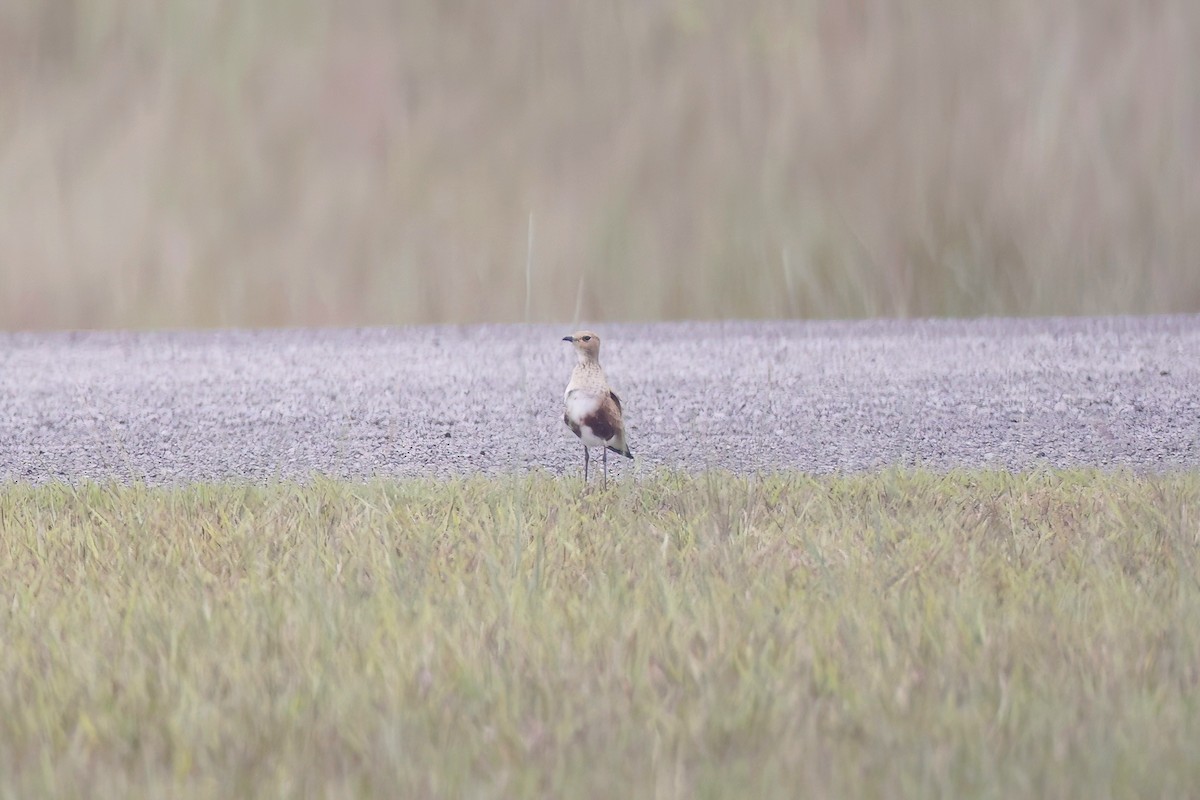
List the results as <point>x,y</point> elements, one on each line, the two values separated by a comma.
<point>174,162</point>
<point>902,634</point>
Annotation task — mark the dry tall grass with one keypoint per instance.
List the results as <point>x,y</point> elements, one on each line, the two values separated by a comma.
<point>176,162</point>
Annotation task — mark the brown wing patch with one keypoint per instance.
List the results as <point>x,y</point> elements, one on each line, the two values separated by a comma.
<point>619,445</point>
<point>605,421</point>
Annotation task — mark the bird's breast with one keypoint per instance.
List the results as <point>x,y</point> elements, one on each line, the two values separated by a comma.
<point>580,404</point>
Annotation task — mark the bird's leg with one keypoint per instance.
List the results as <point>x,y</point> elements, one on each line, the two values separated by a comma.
<point>585,463</point>
<point>606,468</point>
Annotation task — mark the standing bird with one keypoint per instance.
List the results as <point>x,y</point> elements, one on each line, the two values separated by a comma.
<point>593,410</point>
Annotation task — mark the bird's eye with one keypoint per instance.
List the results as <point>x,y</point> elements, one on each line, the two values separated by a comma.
<point>587,338</point>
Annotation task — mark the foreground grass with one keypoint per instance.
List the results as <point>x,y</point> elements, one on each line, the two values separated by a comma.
<point>896,634</point>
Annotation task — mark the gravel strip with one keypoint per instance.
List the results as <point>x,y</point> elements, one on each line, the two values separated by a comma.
<point>1114,392</point>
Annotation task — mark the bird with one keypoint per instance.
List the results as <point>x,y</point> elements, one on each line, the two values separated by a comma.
<point>593,410</point>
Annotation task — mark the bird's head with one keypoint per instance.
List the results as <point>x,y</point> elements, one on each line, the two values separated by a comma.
<point>587,345</point>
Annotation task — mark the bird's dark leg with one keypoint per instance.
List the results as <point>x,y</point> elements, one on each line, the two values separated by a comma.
<point>585,463</point>
<point>606,468</point>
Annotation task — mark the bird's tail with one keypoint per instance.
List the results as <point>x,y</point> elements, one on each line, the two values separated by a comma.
<point>622,449</point>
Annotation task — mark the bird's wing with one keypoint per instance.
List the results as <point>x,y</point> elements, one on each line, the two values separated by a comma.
<point>570,424</point>
<point>605,419</point>
<point>616,425</point>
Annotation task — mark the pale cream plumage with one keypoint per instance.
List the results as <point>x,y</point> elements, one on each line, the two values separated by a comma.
<point>593,410</point>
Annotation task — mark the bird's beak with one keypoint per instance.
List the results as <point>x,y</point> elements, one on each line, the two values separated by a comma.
<point>568,338</point>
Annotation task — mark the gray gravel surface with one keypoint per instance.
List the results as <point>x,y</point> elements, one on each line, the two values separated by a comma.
<point>744,396</point>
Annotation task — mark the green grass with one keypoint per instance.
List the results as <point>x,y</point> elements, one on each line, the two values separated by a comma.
<point>900,634</point>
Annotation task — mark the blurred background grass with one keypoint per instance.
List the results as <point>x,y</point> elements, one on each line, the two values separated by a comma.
<point>188,163</point>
